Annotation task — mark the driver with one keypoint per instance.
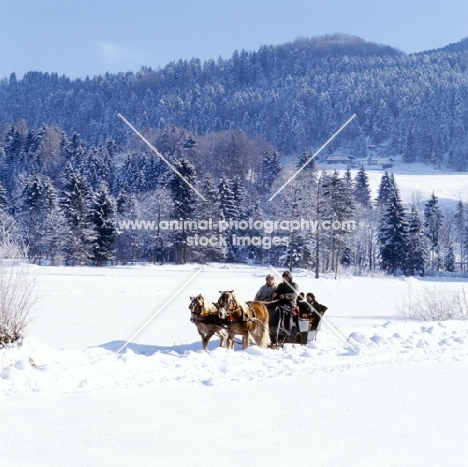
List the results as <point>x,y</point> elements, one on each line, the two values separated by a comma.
<point>286,292</point>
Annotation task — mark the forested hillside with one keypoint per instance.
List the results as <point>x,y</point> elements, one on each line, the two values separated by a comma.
<point>294,95</point>
<point>77,186</point>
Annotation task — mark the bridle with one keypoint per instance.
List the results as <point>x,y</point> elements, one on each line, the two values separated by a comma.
<point>231,307</point>
<point>229,302</point>
<point>197,308</point>
<point>193,307</point>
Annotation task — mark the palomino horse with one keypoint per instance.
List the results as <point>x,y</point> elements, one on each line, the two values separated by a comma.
<point>205,317</point>
<point>244,318</point>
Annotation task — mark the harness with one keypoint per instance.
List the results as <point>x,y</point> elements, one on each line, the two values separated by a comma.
<point>197,317</point>
<point>245,317</point>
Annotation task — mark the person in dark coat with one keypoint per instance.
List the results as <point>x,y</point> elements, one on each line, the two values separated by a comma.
<point>309,309</point>
<point>286,298</point>
<point>302,307</point>
<point>287,292</point>
<point>316,305</point>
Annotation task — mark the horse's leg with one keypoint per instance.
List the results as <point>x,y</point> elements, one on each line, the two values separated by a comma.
<point>246,340</point>
<point>206,338</point>
<point>205,343</point>
<point>223,337</point>
<point>229,338</point>
<point>258,334</point>
<point>202,335</point>
<point>230,341</point>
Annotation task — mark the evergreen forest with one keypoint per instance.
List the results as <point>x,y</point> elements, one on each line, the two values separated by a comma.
<point>78,186</point>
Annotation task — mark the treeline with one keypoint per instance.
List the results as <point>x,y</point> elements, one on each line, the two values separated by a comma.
<point>293,96</point>
<point>63,201</point>
<point>61,198</point>
<point>413,240</point>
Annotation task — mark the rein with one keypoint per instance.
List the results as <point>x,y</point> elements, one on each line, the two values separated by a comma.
<point>245,316</point>
<point>230,312</point>
<point>200,317</point>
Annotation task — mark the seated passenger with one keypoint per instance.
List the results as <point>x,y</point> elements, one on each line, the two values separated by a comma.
<point>313,307</point>
<point>302,307</point>
<point>316,305</point>
<point>267,290</point>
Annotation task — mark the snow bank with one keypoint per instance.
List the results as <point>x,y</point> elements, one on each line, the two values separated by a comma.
<point>35,367</point>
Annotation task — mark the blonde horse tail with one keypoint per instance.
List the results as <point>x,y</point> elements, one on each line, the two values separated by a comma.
<point>265,341</point>
<point>265,337</point>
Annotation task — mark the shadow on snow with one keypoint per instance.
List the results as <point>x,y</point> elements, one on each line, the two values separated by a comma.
<point>148,350</point>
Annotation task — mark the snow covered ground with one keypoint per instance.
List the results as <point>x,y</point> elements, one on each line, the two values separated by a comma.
<point>372,390</point>
<point>417,181</point>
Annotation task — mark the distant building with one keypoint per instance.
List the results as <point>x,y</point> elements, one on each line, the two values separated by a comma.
<point>376,162</point>
<point>340,159</point>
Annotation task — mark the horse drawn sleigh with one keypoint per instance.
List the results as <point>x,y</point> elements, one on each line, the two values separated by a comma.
<point>267,324</point>
<point>298,326</point>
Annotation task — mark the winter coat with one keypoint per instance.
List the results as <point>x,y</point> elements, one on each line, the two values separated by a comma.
<point>290,290</point>
<point>265,292</point>
<point>305,308</point>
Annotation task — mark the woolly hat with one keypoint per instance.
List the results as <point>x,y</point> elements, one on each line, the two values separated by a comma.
<point>287,275</point>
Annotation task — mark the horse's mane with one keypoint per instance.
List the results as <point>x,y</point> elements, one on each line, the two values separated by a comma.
<point>208,304</point>
<point>241,303</point>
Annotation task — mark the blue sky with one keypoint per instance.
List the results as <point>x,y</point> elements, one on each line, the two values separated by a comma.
<point>89,37</point>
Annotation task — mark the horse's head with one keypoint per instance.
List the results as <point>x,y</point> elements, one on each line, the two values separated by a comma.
<point>226,303</point>
<point>201,307</point>
<point>196,307</point>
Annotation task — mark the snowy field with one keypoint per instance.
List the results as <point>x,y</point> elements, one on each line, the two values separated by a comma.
<point>417,181</point>
<point>373,389</point>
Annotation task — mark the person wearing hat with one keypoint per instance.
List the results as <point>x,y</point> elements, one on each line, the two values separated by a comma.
<point>316,310</point>
<point>287,292</point>
<point>267,290</point>
<point>286,298</point>
<point>315,304</point>
<point>309,308</point>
